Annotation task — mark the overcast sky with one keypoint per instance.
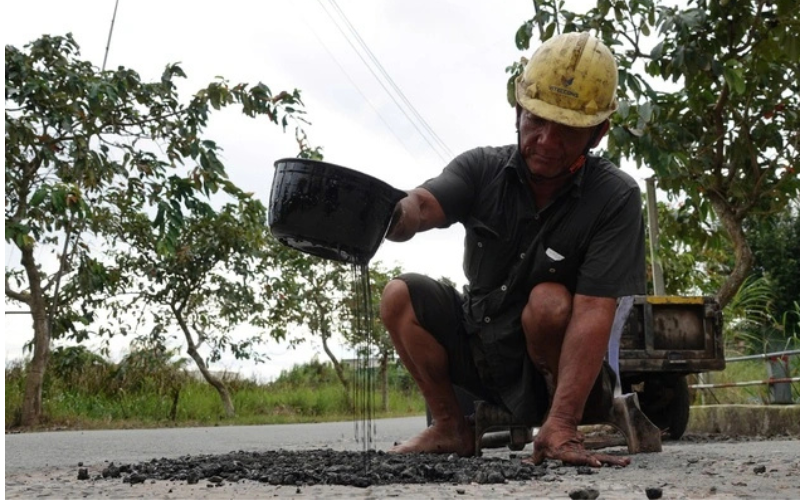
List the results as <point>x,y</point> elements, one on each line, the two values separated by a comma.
<point>447,57</point>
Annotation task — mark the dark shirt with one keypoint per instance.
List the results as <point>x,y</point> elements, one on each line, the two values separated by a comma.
<point>590,238</point>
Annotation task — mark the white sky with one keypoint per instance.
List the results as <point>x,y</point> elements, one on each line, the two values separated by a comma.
<point>447,56</point>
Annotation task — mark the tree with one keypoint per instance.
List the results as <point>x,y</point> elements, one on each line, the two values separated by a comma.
<point>334,301</point>
<point>363,306</point>
<point>85,147</point>
<point>216,282</point>
<point>776,248</point>
<point>697,252</point>
<point>317,293</point>
<point>721,128</point>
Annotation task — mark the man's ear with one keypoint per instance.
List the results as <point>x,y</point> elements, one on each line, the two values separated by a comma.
<point>600,132</point>
<point>519,115</point>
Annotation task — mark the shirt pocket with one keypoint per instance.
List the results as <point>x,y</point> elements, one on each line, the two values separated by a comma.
<point>482,244</point>
<point>556,265</point>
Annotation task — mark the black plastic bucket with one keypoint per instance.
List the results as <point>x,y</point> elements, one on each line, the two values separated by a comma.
<point>330,211</point>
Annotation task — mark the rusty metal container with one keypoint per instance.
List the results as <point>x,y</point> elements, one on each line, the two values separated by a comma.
<point>672,334</point>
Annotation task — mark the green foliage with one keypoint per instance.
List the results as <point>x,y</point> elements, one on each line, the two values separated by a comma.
<point>764,315</point>
<point>693,256</point>
<point>357,306</point>
<point>209,286</point>
<point>136,393</point>
<point>709,95</point>
<point>149,367</point>
<point>79,141</point>
<point>313,373</point>
<point>776,248</point>
<point>743,371</point>
<point>80,152</point>
<point>749,316</point>
<point>77,366</point>
<point>337,300</point>
<point>105,155</point>
<point>14,390</point>
<point>754,325</point>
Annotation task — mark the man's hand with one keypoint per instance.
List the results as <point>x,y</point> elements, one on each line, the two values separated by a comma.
<point>397,214</point>
<point>417,212</point>
<point>560,440</point>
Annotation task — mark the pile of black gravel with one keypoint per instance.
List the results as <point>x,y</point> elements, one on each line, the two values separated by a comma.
<point>327,467</point>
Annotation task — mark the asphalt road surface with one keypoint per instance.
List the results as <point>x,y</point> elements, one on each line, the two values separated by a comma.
<point>48,464</point>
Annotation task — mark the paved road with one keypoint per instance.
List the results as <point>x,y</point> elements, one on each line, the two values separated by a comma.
<point>46,464</point>
<point>32,451</point>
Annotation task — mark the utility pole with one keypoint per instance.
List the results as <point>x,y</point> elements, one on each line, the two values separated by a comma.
<point>110,31</point>
<point>652,223</point>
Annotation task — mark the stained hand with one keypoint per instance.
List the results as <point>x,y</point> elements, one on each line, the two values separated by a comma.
<point>562,441</point>
<point>397,214</point>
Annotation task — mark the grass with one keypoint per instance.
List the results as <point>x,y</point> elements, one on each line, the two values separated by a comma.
<point>97,396</point>
<point>82,391</point>
<point>743,371</point>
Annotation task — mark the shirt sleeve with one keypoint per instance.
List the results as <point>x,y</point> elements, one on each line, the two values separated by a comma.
<point>456,187</point>
<point>614,265</point>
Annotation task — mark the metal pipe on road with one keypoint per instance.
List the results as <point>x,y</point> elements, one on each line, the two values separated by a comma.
<point>769,355</point>
<point>743,384</point>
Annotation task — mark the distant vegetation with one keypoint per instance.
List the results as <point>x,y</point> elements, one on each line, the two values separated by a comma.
<point>148,388</point>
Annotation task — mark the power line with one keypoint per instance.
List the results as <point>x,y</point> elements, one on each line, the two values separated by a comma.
<point>426,136</point>
<point>386,75</point>
<point>378,79</point>
<point>341,68</point>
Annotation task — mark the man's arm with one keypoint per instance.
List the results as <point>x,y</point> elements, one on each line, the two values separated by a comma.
<point>582,352</point>
<point>417,212</point>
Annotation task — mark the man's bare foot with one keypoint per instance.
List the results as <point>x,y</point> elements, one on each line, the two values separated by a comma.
<point>440,439</point>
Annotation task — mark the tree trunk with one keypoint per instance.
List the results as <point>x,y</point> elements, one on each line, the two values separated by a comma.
<point>743,254</point>
<point>173,412</point>
<point>337,366</point>
<point>32,400</point>
<point>216,383</point>
<point>385,381</point>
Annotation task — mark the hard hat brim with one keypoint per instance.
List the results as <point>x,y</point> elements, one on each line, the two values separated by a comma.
<point>557,114</point>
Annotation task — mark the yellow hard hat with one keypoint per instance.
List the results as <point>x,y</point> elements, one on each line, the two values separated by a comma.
<point>571,79</point>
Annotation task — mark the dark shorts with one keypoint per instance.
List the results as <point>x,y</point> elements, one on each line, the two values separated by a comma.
<point>438,308</point>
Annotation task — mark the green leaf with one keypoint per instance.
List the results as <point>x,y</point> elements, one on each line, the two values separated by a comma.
<point>646,112</point>
<point>38,196</point>
<point>733,77</point>
<point>522,37</point>
<point>657,51</point>
<point>624,108</point>
<point>548,32</point>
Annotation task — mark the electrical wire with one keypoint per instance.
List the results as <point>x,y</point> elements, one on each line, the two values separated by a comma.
<point>442,152</point>
<point>352,82</point>
<point>390,80</point>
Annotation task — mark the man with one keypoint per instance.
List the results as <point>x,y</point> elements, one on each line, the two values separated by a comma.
<point>553,237</point>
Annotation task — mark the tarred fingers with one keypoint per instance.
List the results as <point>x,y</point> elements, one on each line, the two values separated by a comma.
<point>575,455</point>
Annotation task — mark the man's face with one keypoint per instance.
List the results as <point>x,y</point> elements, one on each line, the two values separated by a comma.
<point>550,148</point>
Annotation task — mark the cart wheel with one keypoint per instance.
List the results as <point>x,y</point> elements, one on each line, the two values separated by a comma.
<point>666,403</point>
